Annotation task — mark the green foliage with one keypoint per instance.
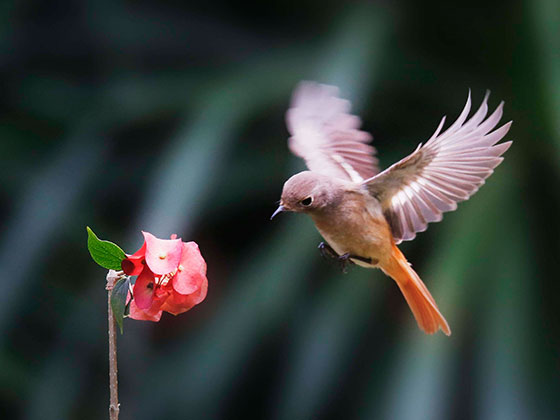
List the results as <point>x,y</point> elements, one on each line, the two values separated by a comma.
<point>118,300</point>
<point>107,254</point>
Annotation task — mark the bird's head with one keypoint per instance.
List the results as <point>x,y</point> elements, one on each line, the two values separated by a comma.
<point>307,192</point>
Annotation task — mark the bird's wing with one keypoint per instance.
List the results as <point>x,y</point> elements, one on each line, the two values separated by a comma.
<point>326,136</point>
<point>449,168</point>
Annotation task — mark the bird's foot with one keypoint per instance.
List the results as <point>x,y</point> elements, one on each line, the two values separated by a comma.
<point>327,251</point>
<point>344,260</point>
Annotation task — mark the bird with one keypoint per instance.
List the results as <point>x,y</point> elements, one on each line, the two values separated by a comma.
<point>363,213</point>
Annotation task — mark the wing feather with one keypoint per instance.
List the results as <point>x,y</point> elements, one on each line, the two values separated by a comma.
<point>449,168</point>
<point>326,136</point>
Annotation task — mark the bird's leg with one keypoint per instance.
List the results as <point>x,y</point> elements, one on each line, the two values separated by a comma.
<point>327,251</point>
<point>347,258</point>
<point>344,259</point>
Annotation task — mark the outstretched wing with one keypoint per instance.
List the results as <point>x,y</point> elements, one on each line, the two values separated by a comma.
<point>326,136</point>
<point>449,168</point>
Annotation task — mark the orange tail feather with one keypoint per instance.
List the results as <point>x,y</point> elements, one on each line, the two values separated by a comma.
<point>421,302</point>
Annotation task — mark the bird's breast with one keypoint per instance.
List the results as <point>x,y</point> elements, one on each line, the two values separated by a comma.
<point>356,225</point>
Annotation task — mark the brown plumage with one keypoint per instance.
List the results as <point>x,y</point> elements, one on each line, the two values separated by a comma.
<point>362,213</point>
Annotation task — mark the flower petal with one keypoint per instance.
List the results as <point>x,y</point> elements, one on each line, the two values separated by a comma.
<point>177,303</point>
<point>151,314</point>
<point>144,289</point>
<point>133,264</point>
<point>191,271</point>
<point>162,255</point>
<point>202,292</point>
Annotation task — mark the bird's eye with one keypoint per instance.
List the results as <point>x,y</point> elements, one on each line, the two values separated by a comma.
<point>307,201</point>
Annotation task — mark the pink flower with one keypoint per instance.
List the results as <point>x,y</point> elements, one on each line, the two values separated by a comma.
<point>171,277</point>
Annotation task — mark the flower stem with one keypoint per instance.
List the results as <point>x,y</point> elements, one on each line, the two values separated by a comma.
<point>113,380</point>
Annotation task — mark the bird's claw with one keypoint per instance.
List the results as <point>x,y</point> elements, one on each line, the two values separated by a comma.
<point>344,260</point>
<point>327,251</point>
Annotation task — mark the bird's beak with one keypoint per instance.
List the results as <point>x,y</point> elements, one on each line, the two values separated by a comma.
<point>280,209</point>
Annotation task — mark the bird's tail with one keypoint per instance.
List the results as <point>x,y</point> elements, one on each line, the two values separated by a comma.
<point>421,302</point>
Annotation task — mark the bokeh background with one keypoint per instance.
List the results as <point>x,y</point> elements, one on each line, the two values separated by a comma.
<point>168,116</point>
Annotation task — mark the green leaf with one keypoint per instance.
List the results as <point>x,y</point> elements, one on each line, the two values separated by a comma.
<point>118,300</point>
<point>107,254</point>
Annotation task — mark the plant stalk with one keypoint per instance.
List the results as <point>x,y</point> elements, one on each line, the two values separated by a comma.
<point>113,380</point>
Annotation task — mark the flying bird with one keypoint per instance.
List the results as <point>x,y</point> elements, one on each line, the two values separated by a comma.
<point>364,213</point>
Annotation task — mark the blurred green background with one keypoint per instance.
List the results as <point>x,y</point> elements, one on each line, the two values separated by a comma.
<point>168,116</point>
